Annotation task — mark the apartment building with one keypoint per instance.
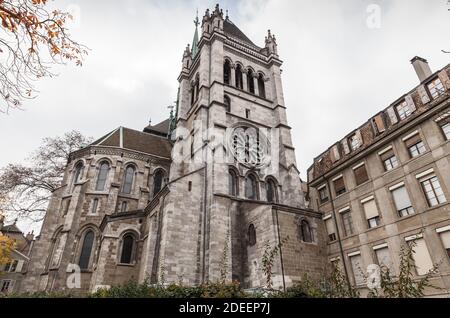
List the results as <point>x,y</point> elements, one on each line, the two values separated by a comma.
<point>387,184</point>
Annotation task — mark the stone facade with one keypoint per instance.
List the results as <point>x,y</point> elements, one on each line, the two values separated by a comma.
<point>388,184</point>
<point>167,203</point>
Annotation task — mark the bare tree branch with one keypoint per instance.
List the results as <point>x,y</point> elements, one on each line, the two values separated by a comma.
<point>32,39</point>
<point>26,190</point>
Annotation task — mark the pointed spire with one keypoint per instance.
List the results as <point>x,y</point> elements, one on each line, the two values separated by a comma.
<point>195,40</point>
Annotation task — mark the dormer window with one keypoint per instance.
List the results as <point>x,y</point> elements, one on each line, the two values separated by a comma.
<point>436,88</point>
<point>355,142</point>
<point>403,110</point>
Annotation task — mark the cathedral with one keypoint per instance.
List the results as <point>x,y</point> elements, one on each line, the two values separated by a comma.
<point>200,195</point>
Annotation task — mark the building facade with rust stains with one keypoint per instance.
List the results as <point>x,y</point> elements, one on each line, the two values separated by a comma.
<point>387,184</point>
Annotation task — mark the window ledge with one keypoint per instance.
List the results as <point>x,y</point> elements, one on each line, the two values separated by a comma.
<point>126,265</point>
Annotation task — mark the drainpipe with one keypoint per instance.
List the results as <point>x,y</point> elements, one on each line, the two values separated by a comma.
<point>281,252</point>
<point>341,249</point>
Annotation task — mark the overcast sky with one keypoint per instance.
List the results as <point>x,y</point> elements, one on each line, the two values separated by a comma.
<point>338,70</point>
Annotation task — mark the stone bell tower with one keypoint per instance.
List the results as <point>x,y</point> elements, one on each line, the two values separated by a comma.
<point>233,158</point>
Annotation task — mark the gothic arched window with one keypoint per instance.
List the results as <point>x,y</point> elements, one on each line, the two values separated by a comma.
<point>158,179</point>
<point>271,191</point>
<point>250,82</point>
<point>86,250</point>
<point>78,172</point>
<point>261,86</point>
<point>233,183</point>
<point>128,180</point>
<point>102,176</point>
<point>227,72</point>
<point>239,78</point>
<point>227,102</point>
<point>128,249</point>
<point>306,232</point>
<point>251,188</point>
<point>251,235</point>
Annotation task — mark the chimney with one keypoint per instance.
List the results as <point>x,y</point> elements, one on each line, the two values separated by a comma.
<point>422,68</point>
<point>30,236</point>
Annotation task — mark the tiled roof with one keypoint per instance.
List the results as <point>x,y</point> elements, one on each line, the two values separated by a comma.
<point>136,140</point>
<point>160,129</point>
<point>232,30</point>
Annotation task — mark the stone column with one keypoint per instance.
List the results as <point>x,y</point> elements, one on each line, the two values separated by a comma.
<point>255,80</point>
<point>233,75</point>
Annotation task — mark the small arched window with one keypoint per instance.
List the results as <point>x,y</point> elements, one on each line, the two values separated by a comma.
<point>261,86</point>
<point>192,95</point>
<point>197,87</point>
<point>251,188</point>
<point>233,183</point>
<point>79,169</point>
<point>227,72</point>
<point>251,235</point>
<point>158,179</point>
<point>86,250</point>
<point>271,189</point>
<point>128,180</point>
<point>306,232</point>
<point>128,248</point>
<point>250,82</point>
<point>102,176</point>
<point>239,78</point>
<point>227,103</point>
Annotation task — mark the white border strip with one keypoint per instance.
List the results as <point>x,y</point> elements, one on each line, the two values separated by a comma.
<point>338,177</point>
<point>379,247</point>
<point>425,173</point>
<point>335,259</point>
<point>368,199</point>
<point>358,166</point>
<point>398,185</point>
<point>327,217</point>
<point>321,187</point>
<point>410,135</point>
<point>382,152</point>
<point>347,208</point>
<point>354,254</point>
<point>443,229</point>
<point>413,237</point>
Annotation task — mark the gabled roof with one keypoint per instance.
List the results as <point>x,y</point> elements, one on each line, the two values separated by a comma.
<point>138,141</point>
<point>161,129</point>
<point>11,229</point>
<point>231,29</point>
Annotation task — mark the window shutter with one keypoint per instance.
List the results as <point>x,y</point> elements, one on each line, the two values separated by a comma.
<point>413,140</point>
<point>339,184</point>
<point>443,76</point>
<point>358,136</point>
<point>330,226</point>
<point>445,237</point>
<point>410,101</point>
<point>379,122</point>
<point>19,266</point>
<point>401,198</point>
<point>387,155</point>
<point>384,259</point>
<point>422,257</point>
<point>361,175</point>
<point>345,146</point>
<point>392,115</point>
<point>358,271</point>
<point>335,155</point>
<point>370,208</point>
<point>423,94</point>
